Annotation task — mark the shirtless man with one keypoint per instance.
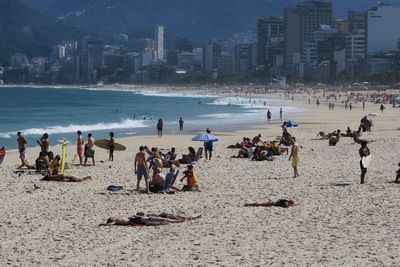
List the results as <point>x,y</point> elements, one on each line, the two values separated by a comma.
<point>141,169</point>
<point>22,149</point>
<point>364,152</point>
<point>256,139</point>
<point>80,148</point>
<point>89,151</point>
<point>294,156</point>
<point>44,143</point>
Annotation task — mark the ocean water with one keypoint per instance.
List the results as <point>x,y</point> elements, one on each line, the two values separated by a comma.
<point>60,112</point>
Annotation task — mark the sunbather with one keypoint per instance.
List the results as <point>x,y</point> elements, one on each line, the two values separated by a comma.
<point>64,178</point>
<point>142,219</point>
<point>280,203</point>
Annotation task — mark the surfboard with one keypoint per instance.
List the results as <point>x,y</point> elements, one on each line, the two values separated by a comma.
<point>2,155</point>
<point>366,161</point>
<point>63,156</point>
<point>105,144</point>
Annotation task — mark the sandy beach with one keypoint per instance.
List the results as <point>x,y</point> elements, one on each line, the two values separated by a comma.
<point>337,221</point>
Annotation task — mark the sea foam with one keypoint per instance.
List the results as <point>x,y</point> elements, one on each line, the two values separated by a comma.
<point>59,129</point>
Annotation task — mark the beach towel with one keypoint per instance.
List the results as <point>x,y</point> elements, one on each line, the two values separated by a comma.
<point>2,155</point>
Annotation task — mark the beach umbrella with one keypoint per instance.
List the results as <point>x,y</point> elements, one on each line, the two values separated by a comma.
<point>205,137</point>
<point>374,114</point>
<point>292,124</point>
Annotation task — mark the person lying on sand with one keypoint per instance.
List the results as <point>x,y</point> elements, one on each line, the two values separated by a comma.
<point>147,220</point>
<point>64,178</point>
<point>283,203</point>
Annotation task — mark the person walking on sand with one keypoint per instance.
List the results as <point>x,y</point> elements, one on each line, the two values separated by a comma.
<point>181,122</point>
<point>382,108</point>
<point>364,152</point>
<point>269,115</point>
<point>363,105</point>
<point>350,106</point>
<point>89,151</point>
<point>294,156</point>
<point>160,126</point>
<point>80,146</point>
<point>141,169</point>
<point>111,147</point>
<point>280,114</point>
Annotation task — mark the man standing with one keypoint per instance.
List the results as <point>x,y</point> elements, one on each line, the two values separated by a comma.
<point>181,122</point>
<point>269,115</point>
<point>294,156</point>
<point>89,151</point>
<point>141,169</point>
<point>280,113</point>
<point>80,146</point>
<point>364,105</point>
<point>364,152</point>
<point>160,126</point>
<point>22,149</point>
<point>44,143</point>
<point>208,146</point>
<point>350,106</point>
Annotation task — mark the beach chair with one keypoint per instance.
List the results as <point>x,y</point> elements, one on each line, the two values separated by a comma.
<point>198,155</point>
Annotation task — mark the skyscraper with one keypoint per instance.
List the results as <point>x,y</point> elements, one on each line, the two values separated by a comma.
<point>159,43</point>
<point>300,23</point>
<point>268,30</point>
<point>383,29</point>
<point>211,52</point>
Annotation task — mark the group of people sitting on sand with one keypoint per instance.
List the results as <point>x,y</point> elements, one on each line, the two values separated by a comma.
<point>46,163</point>
<point>335,136</point>
<point>259,150</point>
<point>152,159</point>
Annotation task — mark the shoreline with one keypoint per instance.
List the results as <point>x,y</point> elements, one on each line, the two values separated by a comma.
<point>336,221</point>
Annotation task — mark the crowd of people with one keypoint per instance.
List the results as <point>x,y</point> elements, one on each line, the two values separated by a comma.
<point>258,150</point>
<point>153,160</point>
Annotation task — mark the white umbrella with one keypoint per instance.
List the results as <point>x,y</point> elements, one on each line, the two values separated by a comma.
<point>205,137</point>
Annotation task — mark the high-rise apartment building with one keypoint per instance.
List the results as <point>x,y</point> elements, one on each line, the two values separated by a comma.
<point>19,60</point>
<point>211,52</point>
<point>383,29</point>
<point>245,59</point>
<point>300,23</point>
<point>159,43</point>
<point>270,30</point>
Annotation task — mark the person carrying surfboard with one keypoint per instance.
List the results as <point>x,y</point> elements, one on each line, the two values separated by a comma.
<point>365,155</point>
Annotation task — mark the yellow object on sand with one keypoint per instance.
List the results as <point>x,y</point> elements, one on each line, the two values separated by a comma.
<point>295,160</point>
<point>64,156</point>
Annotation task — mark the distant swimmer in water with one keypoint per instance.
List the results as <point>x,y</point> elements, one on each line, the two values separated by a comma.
<point>199,102</point>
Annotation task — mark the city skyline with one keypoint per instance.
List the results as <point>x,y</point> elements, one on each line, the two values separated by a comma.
<point>305,43</point>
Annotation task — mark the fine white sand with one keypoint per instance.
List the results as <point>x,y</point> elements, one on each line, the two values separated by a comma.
<point>337,221</point>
